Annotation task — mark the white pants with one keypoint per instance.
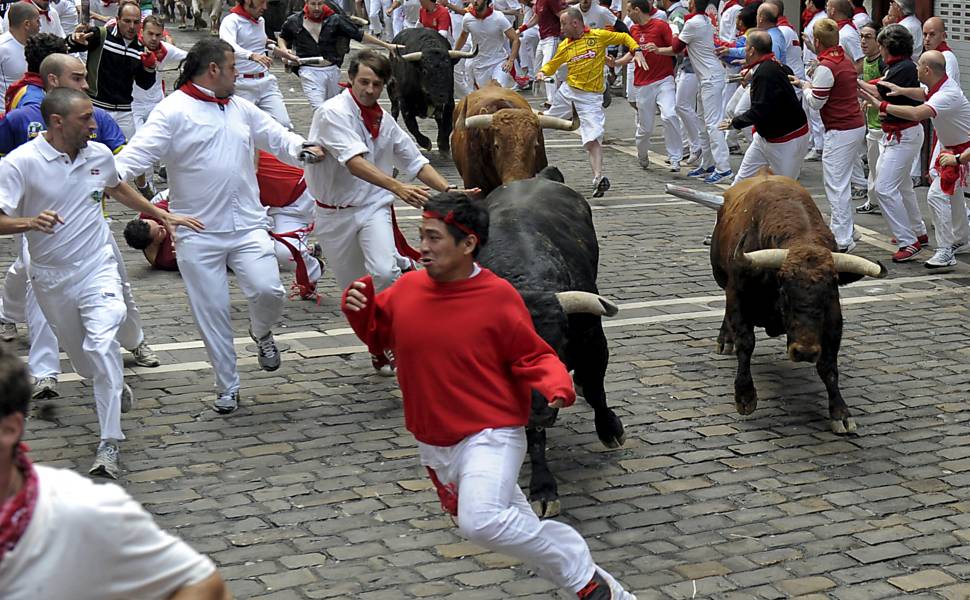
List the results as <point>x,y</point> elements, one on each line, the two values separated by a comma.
<point>648,97</point>
<point>547,47</point>
<point>358,241</point>
<point>815,127</point>
<point>265,93</point>
<point>691,125</point>
<point>320,84</point>
<point>203,258</point>
<point>949,215</point>
<point>375,12</point>
<point>710,102</point>
<point>840,151</point>
<point>493,512</point>
<point>733,136</point>
<point>894,187</point>
<point>589,107</point>
<point>873,150</point>
<point>297,219</point>
<point>140,112</point>
<point>84,306</point>
<point>528,45</point>
<point>20,306</point>
<point>482,74</point>
<point>783,158</point>
<point>125,120</point>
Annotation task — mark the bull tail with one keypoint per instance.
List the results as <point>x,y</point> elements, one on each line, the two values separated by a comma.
<point>552,174</point>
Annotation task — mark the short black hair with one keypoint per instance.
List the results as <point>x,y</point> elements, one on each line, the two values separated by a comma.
<point>643,5</point>
<point>897,40</point>
<point>138,234</point>
<point>819,4</point>
<point>467,212</point>
<point>41,45</point>
<point>375,61</point>
<point>701,5</point>
<point>59,101</point>
<point>15,388</point>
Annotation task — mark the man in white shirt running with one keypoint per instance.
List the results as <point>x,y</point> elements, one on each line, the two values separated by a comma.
<point>50,21</point>
<point>493,34</point>
<point>24,22</point>
<point>51,191</point>
<point>207,137</point>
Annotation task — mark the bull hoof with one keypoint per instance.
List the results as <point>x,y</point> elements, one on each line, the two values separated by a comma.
<point>725,348</point>
<point>746,405</point>
<point>424,143</point>
<point>843,426</point>
<point>609,429</point>
<point>546,509</point>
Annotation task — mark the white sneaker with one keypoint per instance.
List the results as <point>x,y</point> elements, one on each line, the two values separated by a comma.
<point>693,159</point>
<point>813,155</point>
<point>675,166</point>
<point>961,248</point>
<point>127,398</point>
<point>106,460</point>
<point>44,388</point>
<point>942,259</point>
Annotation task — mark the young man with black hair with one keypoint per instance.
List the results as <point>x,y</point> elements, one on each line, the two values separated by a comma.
<point>467,384</point>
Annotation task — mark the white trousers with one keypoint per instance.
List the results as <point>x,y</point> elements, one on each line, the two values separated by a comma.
<point>285,220</point>
<point>84,306</point>
<point>589,107</point>
<point>648,97</point>
<point>873,150</point>
<point>815,128</point>
<point>840,151</point>
<point>783,158</point>
<point>358,241</point>
<point>265,93</point>
<point>125,120</point>
<point>203,258</point>
<point>528,45</point>
<point>548,48</point>
<point>481,74</point>
<point>949,215</point>
<point>320,84</point>
<point>894,187</point>
<point>691,125</point>
<point>375,13</point>
<point>493,512</point>
<point>733,136</point>
<point>710,103</point>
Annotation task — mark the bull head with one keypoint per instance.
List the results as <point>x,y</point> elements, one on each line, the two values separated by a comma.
<point>586,302</point>
<point>545,121</point>
<point>844,263</point>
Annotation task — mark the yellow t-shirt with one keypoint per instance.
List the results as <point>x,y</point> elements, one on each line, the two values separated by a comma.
<point>585,57</point>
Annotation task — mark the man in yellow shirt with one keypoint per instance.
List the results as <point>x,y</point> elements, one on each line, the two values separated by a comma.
<point>583,52</point>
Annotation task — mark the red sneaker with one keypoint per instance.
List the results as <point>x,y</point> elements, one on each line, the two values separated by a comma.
<point>924,240</point>
<point>907,253</point>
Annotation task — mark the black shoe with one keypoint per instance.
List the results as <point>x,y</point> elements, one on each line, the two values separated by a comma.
<point>868,209</point>
<point>607,98</point>
<point>596,589</point>
<point>602,185</point>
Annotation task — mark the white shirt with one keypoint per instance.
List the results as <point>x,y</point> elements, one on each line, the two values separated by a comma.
<point>339,128</point>
<point>209,150</point>
<point>851,42</point>
<point>952,65</point>
<point>598,17</point>
<point>503,5</point>
<point>156,93</point>
<point>951,111</point>
<point>36,177</point>
<point>88,541</point>
<point>861,19</point>
<point>52,26</point>
<point>793,51</point>
<point>915,28</point>
<point>67,11</point>
<point>807,55</point>
<point>727,23</point>
<point>246,38</point>
<point>489,35</point>
<point>12,61</point>
<point>698,35</point>
<point>411,12</point>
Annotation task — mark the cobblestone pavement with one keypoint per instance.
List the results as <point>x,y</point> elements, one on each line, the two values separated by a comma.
<point>312,489</point>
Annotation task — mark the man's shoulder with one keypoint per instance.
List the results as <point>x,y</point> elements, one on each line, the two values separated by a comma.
<point>72,495</point>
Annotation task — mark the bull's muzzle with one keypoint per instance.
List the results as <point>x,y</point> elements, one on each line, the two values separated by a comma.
<point>799,352</point>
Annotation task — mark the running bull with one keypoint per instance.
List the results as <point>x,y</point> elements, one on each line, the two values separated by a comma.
<point>497,138</point>
<point>775,258</point>
<point>542,240</point>
<point>422,82</point>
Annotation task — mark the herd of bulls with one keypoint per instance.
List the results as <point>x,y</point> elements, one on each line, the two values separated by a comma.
<point>771,250</point>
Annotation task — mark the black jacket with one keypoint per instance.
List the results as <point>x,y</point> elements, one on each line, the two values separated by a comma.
<point>775,109</point>
<point>903,74</point>
<point>336,32</point>
<point>113,68</point>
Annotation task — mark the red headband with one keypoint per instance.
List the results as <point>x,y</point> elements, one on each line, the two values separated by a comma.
<point>450,220</point>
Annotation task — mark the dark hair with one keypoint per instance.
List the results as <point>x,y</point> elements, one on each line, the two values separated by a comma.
<point>701,5</point>
<point>749,16</point>
<point>153,20</point>
<point>759,40</point>
<point>858,3</point>
<point>15,388</point>
<point>205,52</point>
<point>819,4</point>
<point>41,45</point>
<point>643,5</point>
<point>59,101</point>
<point>375,61</point>
<point>871,25</point>
<point>21,12</point>
<point>897,40</point>
<point>469,213</point>
<point>138,234</point>
<point>779,6</point>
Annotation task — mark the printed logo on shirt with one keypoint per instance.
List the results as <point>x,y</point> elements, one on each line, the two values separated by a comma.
<point>95,171</point>
<point>583,56</point>
<point>97,196</point>
<point>34,129</point>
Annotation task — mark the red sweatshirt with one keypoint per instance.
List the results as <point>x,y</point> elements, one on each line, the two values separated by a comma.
<point>467,354</point>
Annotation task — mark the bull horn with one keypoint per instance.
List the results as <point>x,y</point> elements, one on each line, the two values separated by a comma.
<point>846,263</point>
<point>411,56</point>
<point>586,302</point>
<point>547,122</point>
<point>766,259</point>
<point>359,20</point>
<point>478,121</point>
<point>463,54</point>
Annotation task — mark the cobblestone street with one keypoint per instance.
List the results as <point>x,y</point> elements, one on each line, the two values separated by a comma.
<point>313,490</point>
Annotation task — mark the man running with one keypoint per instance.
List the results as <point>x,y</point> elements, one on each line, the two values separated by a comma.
<point>493,34</point>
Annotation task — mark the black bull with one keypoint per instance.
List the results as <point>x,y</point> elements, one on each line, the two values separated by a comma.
<point>542,240</point>
<point>422,83</point>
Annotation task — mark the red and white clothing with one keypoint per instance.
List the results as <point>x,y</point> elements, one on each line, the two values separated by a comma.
<point>810,59</point>
<point>68,11</point>
<point>951,120</point>
<point>50,22</point>
<point>254,82</point>
<point>915,28</point>
<point>655,88</point>
<point>439,19</point>
<point>598,17</point>
<point>488,33</point>
<point>793,48</point>
<point>860,17</point>
<point>125,554</point>
<point>727,19</point>
<point>952,64</point>
<point>143,101</point>
<point>13,63</point>
<point>850,41</point>
<point>354,218</point>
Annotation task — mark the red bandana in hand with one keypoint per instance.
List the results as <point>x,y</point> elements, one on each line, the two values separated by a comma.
<point>239,10</point>
<point>15,512</point>
<point>192,90</point>
<point>327,12</point>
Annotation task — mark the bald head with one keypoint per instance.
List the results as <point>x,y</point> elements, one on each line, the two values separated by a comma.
<point>779,5</point>
<point>839,9</point>
<point>760,42</point>
<point>934,61</point>
<point>63,70</point>
<point>21,12</point>
<point>767,16</point>
<point>934,33</point>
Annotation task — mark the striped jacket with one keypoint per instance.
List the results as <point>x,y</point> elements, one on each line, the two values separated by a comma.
<point>114,66</point>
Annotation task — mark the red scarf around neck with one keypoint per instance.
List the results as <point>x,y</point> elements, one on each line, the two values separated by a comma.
<point>193,91</point>
<point>690,16</point>
<point>807,15</point>
<point>784,22</point>
<point>16,512</point>
<point>242,12</point>
<point>943,47</point>
<point>834,54</point>
<point>895,59</point>
<point>729,4</point>
<point>484,15</point>
<point>29,78</point>
<point>765,58</point>
<point>936,88</point>
<point>858,10</point>
<point>327,12</point>
<point>44,13</point>
<point>843,22</point>
<point>370,114</point>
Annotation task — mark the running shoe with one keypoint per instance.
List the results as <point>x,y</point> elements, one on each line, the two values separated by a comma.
<point>719,176</point>
<point>267,352</point>
<point>106,460</point>
<point>701,172</point>
<point>44,388</point>
<point>127,398</point>
<point>942,259</point>
<point>813,155</point>
<point>868,208</point>
<point>907,253</point>
<point>600,186</point>
<point>8,331</point>
<point>145,356</point>
<point>226,402</point>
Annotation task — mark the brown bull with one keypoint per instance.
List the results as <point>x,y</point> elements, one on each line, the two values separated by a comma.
<point>497,138</point>
<point>775,258</point>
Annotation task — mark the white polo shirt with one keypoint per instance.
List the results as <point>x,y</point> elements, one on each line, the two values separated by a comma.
<point>851,42</point>
<point>209,152</point>
<point>952,65</point>
<point>89,541</point>
<point>155,94</point>
<point>36,177</point>
<point>951,114</point>
<point>598,17</point>
<point>246,38</point>
<point>915,28</point>
<point>489,35</point>
<point>861,19</point>
<point>338,127</point>
<point>12,61</point>
<point>698,35</point>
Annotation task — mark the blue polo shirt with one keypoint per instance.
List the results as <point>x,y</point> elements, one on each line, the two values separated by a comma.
<point>25,123</point>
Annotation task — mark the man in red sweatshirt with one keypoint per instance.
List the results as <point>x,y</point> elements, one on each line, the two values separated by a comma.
<point>467,386</point>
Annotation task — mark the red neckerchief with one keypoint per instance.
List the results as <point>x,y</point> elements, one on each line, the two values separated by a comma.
<point>765,58</point>
<point>894,59</point>
<point>16,512</point>
<point>859,10</point>
<point>242,12</point>
<point>807,15</point>
<point>327,12</point>
<point>653,10</point>
<point>484,15</point>
<point>160,54</point>
<point>834,55</point>
<point>371,114</point>
<point>729,4</point>
<point>43,13</point>
<point>843,22</point>
<point>191,90</point>
<point>784,22</point>
<point>936,88</point>
<point>29,78</point>
<point>943,47</point>
<point>690,16</point>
